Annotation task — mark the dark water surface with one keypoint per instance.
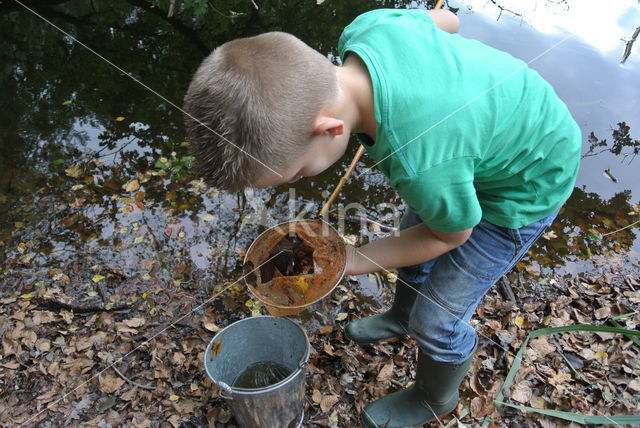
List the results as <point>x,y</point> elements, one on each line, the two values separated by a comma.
<point>261,375</point>
<point>94,177</point>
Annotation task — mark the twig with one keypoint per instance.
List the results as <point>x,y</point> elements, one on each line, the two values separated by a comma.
<point>506,291</point>
<point>629,45</point>
<point>621,229</point>
<point>54,303</point>
<point>134,383</point>
<point>342,181</point>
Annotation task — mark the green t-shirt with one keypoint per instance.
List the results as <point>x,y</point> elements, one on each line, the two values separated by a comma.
<point>463,131</point>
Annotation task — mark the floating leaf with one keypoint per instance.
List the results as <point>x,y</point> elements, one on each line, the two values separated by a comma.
<point>18,224</point>
<point>132,186</point>
<point>97,278</point>
<point>138,239</point>
<point>27,296</point>
<point>58,162</point>
<point>66,103</point>
<point>119,118</point>
<point>74,171</point>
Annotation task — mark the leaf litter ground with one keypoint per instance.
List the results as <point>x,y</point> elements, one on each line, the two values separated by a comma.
<point>50,352</point>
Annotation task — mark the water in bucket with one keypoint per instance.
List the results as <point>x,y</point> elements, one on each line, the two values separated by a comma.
<point>261,375</point>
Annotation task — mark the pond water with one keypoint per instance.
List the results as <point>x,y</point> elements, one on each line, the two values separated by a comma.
<point>94,177</point>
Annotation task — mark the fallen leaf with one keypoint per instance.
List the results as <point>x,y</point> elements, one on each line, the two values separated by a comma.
<point>211,326</point>
<point>43,345</point>
<point>11,365</point>
<point>328,348</point>
<point>600,354</point>
<point>105,403</point>
<point>604,312</point>
<point>341,316</point>
<point>316,396</point>
<point>386,372</point>
<point>518,321</point>
<point>522,392</point>
<point>173,397</point>
<point>132,186</point>
<point>110,384</point>
<point>134,322</point>
<point>559,378</point>
<point>97,278</point>
<point>328,401</point>
<point>119,118</point>
<point>325,330</point>
<point>216,348</point>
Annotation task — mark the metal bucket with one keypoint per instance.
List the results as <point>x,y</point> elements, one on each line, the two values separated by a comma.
<point>254,340</point>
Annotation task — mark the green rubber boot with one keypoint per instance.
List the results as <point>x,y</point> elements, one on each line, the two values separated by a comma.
<point>434,394</point>
<point>392,323</point>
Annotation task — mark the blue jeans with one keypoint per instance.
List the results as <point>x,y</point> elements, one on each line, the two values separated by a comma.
<point>451,286</point>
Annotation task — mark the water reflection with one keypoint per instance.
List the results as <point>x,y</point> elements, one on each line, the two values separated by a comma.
<point>94,173</point>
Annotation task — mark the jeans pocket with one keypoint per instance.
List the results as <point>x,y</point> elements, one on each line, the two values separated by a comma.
<point>488,251</point>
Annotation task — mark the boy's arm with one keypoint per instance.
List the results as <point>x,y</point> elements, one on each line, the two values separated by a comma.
<point>414,245</point>
<point>445,20</point>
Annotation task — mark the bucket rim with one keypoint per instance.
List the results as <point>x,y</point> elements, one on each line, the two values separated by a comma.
<point>249,391</point>
<point>275,305</point>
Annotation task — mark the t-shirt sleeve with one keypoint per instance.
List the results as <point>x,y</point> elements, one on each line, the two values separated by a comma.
<point>443,196</point>
<point>364,23</point>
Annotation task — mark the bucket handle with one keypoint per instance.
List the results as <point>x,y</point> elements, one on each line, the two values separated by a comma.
<point>224,389</point>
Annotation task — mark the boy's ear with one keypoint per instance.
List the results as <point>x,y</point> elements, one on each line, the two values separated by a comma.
<point>328,125</point>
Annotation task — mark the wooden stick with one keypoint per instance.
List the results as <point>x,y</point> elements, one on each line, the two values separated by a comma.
<point>352,165</point>
<point>343,180</point>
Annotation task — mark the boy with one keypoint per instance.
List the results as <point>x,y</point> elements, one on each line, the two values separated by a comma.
<point>479,146</point>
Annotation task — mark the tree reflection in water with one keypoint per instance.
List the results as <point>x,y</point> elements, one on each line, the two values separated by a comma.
<point>95,172</point>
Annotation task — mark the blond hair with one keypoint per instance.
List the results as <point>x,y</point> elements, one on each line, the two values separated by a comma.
<point>260,94</point>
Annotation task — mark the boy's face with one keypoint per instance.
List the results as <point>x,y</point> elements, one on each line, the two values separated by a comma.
<point>325,148</point>
<point>324,151</point>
